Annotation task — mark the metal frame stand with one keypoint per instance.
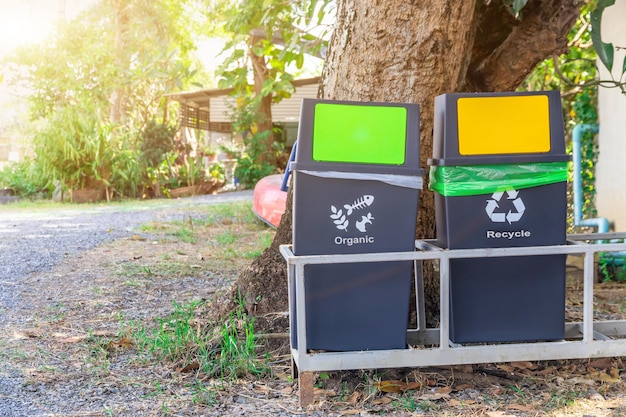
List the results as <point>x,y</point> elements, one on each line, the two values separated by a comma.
<point>586,339</point>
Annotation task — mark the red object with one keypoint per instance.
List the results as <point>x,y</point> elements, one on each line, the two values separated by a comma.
<point>268,201</point>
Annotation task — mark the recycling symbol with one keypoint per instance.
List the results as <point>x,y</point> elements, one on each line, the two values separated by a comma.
<point>493,204</point>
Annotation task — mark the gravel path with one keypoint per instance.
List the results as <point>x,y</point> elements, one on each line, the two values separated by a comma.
<point>34,241</point>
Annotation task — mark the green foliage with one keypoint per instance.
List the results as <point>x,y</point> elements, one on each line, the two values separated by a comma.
<point>157,139</point>
<point>572,71</point>
<point>604,50</point>
<point>24,178</point>
<point>99,82</point>
<point>75,148</point>
<point>577,69</point>
<point>267,43</point>
<point>250,172</point>
<point>157,157</point>
<point>574,74</point>
<point>584,111</point>
<point>126,172</point>
<point>261,154</point>
<point>274,30</point>
<point>610,270</point>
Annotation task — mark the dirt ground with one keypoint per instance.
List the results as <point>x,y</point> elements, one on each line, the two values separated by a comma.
<point>76,322</point>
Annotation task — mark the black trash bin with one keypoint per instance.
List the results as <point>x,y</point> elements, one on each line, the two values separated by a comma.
<point>356,188</point>
<point>499,172</point>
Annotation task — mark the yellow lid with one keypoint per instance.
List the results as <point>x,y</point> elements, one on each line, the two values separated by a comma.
<point>503,124</point>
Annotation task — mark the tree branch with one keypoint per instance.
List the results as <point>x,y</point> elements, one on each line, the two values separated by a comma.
<point>542,32</point>
<point>314,48</point>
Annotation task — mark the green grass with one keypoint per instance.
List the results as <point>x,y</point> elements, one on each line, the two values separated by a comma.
<point>99,352</point>
<point>237,212</point>
<point>226,351</point>
<point>408,402</point>
<point>218,239</point>
<point>563,399</point>
<point>227,237</point>
<point>204,395</point>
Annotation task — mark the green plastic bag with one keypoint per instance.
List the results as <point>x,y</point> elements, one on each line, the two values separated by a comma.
<point>465,180</point>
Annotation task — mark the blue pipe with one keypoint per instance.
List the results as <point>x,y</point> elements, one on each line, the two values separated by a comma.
<point>601,223</point>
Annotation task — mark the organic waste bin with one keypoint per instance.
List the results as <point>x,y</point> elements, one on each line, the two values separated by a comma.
<point>356,188</point>
<point>499,172</point>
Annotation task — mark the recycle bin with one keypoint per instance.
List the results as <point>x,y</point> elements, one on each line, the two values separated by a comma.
<point>499,172</point>
<point>356,188</point>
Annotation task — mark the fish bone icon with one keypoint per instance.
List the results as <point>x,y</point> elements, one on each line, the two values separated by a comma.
<point>359,203</point>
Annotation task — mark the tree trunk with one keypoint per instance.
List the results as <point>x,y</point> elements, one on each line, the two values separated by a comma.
<point>264,112</point>
<point>399,51</point>
<point>116,113</point>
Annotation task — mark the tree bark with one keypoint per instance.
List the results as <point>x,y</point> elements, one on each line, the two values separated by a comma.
<point>413,51</point>
<point>521,44</point>
<point>264,111</point>
<point>118,96</point>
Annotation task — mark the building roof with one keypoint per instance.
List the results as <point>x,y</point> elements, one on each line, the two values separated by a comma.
<point>217,102</point>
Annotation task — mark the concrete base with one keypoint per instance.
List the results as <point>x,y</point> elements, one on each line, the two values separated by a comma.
<point>9,199</point>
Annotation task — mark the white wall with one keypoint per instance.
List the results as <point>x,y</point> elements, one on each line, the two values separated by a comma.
<point>611,167</point>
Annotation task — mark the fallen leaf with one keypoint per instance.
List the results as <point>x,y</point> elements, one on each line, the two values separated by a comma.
<point>603,363</point>
<point>123,343</point>
<point>192,366</point>
<point>287,390</point>
<point>283,376</point>
<point>436,394</point>
<point>524,365</point>
<point>354,398</point>
<point>389,386</point>
<point>73,339</point>
<point>319,392</point>
<point>24,334</point>
<point>468,369</point>
<point>397,386</point>
<point>581,381</point>
<point>381,401</point>
<point>611,376</point>
<point>547,371</point>
<point>102,333</point>
<point>456,403</point>
<point>519,407</point>
<point>506,368</point>
<point>351,412</point>
<point>444,390</point>
<point>431,382</point>
<point>261,388</point>
<point>465,386</point>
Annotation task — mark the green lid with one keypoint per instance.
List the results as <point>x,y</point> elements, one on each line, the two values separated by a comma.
<point>359,133</point>
<point>350,136</point>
